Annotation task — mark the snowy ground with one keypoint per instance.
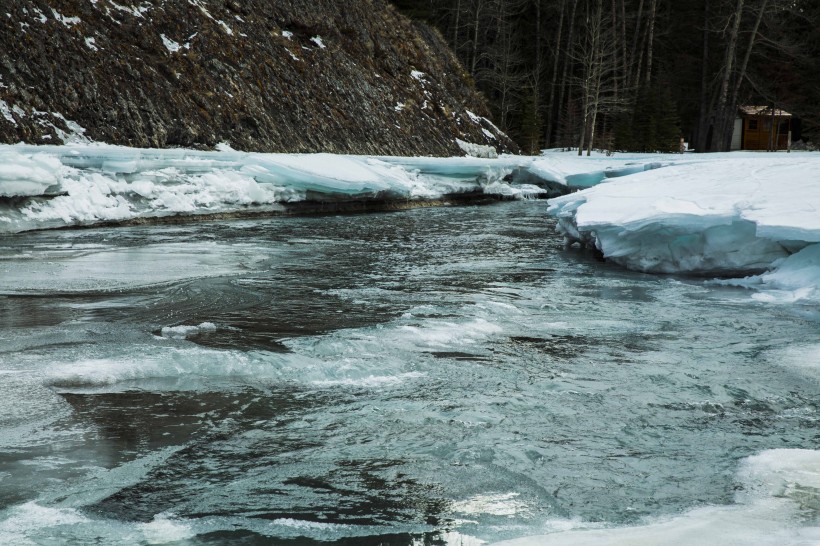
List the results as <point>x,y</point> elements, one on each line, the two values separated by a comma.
<point>753,217</point>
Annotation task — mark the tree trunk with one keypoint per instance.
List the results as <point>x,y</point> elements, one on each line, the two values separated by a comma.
<point>638,68</point>
<point>615,43</point>
<point>624,57</point>
<point>722,126</point>
<point>565,71</point>
<point>551,104</point>
<point>634,43</point>
<point>597,72</point>
<point>652,13</point>
<point>731,106</point>
<point>476,24</point>
<point>456,25</point>
<point>592,58</point>
<point>703,115</point>
<point>536,89</point>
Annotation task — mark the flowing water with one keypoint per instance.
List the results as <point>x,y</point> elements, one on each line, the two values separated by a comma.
<point>432,376</point>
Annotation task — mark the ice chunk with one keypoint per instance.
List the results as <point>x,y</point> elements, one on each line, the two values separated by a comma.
<point>183,331</point>
<point>794,278</point>
<point>477,150</point>
<point>84,184</point>
<point>27,174</point>
<point>579,172</point>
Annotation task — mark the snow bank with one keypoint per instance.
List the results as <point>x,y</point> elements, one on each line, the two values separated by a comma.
<point>22,175</point>
<point>579,172</point>
<point>57,186</point>
<point>726,215</point>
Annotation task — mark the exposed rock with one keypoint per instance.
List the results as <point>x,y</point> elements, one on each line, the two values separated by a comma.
<point>283,76</point>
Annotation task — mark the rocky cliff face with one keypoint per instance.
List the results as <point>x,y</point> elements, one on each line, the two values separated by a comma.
<point>342,76</point>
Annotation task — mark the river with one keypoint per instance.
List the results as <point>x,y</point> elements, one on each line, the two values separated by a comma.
<point>430,376</point>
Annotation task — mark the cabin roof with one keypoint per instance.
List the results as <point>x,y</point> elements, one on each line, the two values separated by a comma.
<point>762,111</point>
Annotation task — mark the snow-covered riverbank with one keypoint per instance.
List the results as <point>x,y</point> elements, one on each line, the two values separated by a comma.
<point>751,215</point>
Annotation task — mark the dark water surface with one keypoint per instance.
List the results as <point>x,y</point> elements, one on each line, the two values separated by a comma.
<point>432,376</point>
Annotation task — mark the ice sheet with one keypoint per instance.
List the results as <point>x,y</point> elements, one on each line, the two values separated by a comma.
<point>726,215</point>
<point>57,186</point>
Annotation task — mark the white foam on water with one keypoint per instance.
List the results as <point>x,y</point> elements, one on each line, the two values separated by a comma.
<point>166,528</point>
<point>372,357</point>
<point>20,522</point>
<point>454,538</point>
<point>323,362</point>
<point>34,524</point>
<point>371,381</point>
<point>778,503</point>
<point>152,362</point>
<point>800,357</point>
<point>302,524</point>
<point>435,334</point>
<point>185,331</point>
<point>499,504</point>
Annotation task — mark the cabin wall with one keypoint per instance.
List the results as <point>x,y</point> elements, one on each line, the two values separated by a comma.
<point>758,133</point>
<point>737,135</point>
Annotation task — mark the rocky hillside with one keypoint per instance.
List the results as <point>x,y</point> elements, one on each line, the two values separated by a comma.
<point>350,76</point>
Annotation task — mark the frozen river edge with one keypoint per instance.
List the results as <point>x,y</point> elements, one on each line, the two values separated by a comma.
<point>46,187</point>
<point>750,217</point>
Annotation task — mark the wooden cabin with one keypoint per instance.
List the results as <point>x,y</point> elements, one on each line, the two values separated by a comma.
<point>762,128</point>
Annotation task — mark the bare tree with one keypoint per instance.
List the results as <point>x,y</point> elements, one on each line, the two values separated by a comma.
<point>556,59</point>
<point>599,72</point>
<point>702,129</point>
<point>653,11</point>
<point>722,116</point>
<point>477,23</point>
<point>635,46</point>
<point>565,72</point>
